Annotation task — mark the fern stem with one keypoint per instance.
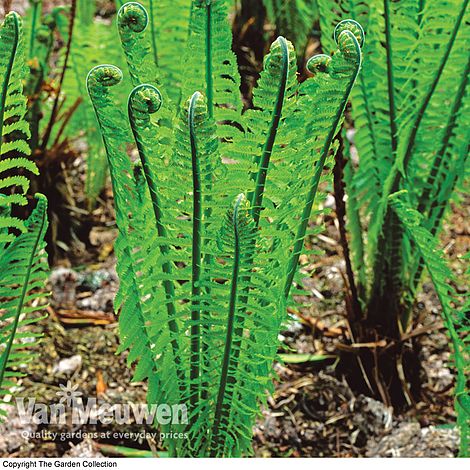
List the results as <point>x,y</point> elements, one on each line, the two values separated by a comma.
<point>355,229</point>
<point>315,180</point>
<point>196,258</point>
<point>390,79</point>
<point>68,47</point>
<point>339,193</point>
<point>210,110</point>
<point>229,335</point>
<point>168,285</point>
<point>209,77</point>
<point>35,105</point>
<point>6,78</point>
<point>37,4</point>
<point>257,198</point>
<point>153,34</point>
<point>24,289</point>
<point>421,5</point>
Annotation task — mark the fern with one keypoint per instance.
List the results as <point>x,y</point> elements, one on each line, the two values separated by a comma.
<point>206,274</point>
<point>24,274</point>
<point>350,37</point>
<point>455,320</point>
<point>14,148</point>
<point>410,109</point>
<point>293,18</point>
<point>22,248</point>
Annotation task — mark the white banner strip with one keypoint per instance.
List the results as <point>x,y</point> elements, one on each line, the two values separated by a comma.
<point>208,464</point>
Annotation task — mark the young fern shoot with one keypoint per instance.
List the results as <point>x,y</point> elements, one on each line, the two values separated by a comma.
<point>23,261</point>
<point>349,36</point>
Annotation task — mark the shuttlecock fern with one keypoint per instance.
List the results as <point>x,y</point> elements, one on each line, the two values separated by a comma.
<point>22,256</point>
<point>209,215</point>
<point>14,149</point>
<point>24,273</point>
<point>410,110</point>
<point>455,316</point>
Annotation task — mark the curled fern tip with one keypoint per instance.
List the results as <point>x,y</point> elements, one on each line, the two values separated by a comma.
<point>352,26</point>
<point>104,75</point>
<point>319,63</point>
<point>145,98</point>
<point>348,45</point>
<point>133,15</point>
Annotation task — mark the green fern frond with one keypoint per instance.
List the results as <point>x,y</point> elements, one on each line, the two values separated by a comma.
<point>134,333</point>
<point>143,101</point>
<point>24,272</point>
<point>276,83</point>
<point>456,321</point>
<point>14,148</point>
<point>133,21</point>
<point>342,68</point>
<point>238,236</point>
<point>294,18</point>
<point>133,28</point>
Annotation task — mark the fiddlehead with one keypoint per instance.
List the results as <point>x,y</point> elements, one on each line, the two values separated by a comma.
<point>133,17</point>
<point>133,21</point>
<point>344,64</point>
<point>100,80</point>
<point>352,26</point>
<point>143,101</point>
<point>101,77</point>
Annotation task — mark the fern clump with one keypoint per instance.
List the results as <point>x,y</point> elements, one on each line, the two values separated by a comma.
<point>453,309</point>
<point>22,249</point>
<point>410,110</point>
<point>210,214</point>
